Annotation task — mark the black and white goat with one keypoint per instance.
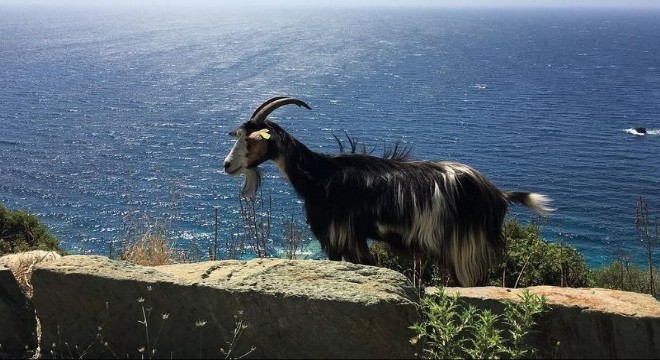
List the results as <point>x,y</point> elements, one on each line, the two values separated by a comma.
<point>445,210</point>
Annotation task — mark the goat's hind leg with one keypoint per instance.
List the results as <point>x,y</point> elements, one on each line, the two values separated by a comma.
<point>331,250</point>
<point>471,257</point>
<point>359,253</point>
<point>334,255</point>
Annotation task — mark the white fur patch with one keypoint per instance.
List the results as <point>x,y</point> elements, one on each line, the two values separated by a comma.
<point>340,234</point>
<point>251,183</point>
<point>427,226</point>
<point>237,157</point>
<point>471,253</point>
<point>401,197</point>
<point>281,164</point>
<point>539,203</point>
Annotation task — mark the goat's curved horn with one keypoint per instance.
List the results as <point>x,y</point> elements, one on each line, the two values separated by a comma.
<point>269,106</point>
<point>266,103</point>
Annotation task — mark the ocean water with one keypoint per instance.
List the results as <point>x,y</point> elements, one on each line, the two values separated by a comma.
<point>111,115</point>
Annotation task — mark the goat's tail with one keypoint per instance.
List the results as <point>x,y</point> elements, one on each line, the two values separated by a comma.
<point>537,202</point>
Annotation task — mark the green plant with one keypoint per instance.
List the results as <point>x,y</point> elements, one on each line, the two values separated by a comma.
<point>529,260</point>
<point>520,320</point>
<point>22,231</point>
<point>623,275</point>
<point>443,326</point>
<point>647,231</point>
<point>452,330</point>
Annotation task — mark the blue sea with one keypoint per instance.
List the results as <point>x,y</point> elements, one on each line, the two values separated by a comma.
<point>108,115</point>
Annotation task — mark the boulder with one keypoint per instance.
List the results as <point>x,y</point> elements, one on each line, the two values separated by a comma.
<point>584,323</point>
<point>18,327</point>
<point>90,306</point>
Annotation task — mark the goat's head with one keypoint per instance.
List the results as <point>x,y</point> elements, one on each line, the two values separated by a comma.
<point>255,143</point>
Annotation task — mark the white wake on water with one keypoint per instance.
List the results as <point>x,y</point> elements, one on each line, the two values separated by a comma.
<point>638,133</point>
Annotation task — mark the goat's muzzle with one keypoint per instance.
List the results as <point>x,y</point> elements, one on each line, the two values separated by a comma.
<point>227,165</point>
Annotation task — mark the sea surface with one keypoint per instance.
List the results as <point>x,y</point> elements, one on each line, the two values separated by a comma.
<point>112,116</point>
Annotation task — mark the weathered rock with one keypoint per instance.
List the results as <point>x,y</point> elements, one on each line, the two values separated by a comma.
<point>293,309</point>
<point>21,265</point>
<point>584,323</point>
<point>18,326</point>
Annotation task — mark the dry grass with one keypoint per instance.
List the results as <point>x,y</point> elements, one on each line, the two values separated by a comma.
<point>150,248</point>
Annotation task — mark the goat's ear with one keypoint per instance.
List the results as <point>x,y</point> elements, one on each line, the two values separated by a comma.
<point>237,133</point>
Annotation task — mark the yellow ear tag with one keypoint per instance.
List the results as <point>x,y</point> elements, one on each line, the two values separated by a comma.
<point>264,134</point>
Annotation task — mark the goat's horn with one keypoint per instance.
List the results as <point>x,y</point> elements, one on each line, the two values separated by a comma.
<point>269,106</point>
<point>266,103</point>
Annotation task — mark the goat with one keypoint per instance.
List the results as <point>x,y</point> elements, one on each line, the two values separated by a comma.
<point>445,210</point>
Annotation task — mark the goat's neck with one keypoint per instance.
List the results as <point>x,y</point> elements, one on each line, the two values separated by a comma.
<point>304,168</point>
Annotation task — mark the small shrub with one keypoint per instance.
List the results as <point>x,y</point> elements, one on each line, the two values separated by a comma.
<point>622,275</point>
<point>529,260</point>
<point>452,330</point>
<point>148,248</point>
<point>21,231</point>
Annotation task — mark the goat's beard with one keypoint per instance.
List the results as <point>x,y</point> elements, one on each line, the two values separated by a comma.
<point>251,183</point>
